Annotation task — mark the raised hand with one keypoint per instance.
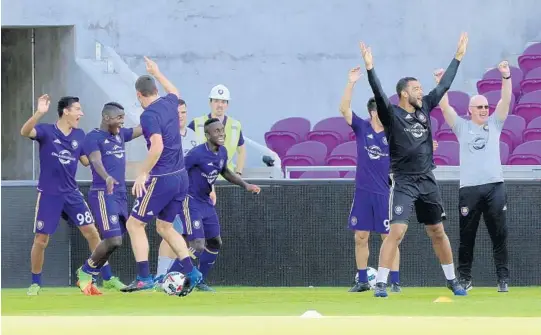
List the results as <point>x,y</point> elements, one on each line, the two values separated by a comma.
<point>438,74</point>
<point>366,52</point>
<point>355,74</point>
<point>462,44</point>
<point>504,69</point>
<point>152,67</point>
<point>43,104</point>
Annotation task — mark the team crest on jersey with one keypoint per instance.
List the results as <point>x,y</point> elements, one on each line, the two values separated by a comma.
<point>196,224</point>
<point>221,163</point>
<point>422,117</point>
<point>398,209</point>
<point>39,225</point>
<point>485,127</point>
<point>464,211</point>
<point>117,137</point>
<point>354,220</point>
<point>384,140</point>
<point>114,219</point>
<point>74,144</point>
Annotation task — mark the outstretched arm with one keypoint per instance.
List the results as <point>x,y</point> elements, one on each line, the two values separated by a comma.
<point>153,70</point>
<point>237,180</point>
<point>434,97</point>
<point>502,109</point>
<point>28,129</point>
<point>345,104</point>
<point>449,113</point>
<point>384,107</point>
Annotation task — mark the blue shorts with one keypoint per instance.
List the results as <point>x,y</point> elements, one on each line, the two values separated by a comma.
<point>163,198</point>
<point>200,220</point>
<point>69,206</point>
<point>110,211</point>
<point>370,212</point>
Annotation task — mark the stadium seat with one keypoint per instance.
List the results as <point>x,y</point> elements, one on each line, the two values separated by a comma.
<point>533,131</point>
<point>493,98</point>
<point>435,125</point>
<point>458,100</point>
<point>285,133</point>
<point>512,130</point>
<point>352,136</point>
<point>308,153</point>
<point>447,153</point>
<point>445,134</point>
<point>320,175</point>
<point>331,132</point>
<point>504,152</point>
<point>532,81</point>
<point>528,153</point>
<point>394,99</point>
<point>529,106</point>
<point>530,58</point>
<point>492,81</point>
<point>343,155</point>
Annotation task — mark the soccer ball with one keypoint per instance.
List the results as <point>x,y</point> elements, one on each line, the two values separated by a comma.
<point>371,277</point>
<point>173,283</point>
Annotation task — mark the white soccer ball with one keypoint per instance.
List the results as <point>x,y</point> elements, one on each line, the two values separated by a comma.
<point>173,283</point>
<point>371,277</point>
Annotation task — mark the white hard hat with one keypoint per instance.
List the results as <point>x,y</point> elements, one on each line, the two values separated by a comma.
<point>219,92</point>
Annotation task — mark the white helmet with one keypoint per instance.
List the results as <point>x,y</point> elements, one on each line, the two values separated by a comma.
<point>219,92</point>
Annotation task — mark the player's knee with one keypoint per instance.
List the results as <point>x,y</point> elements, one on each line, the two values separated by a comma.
<point>214,243</point>
<point>397,232</point>
<point>198,245</point>
<point>436,232</point>
<point>114,242</point>
<point>162,227</point>
<point>41,241</point>
<point>361,238</point>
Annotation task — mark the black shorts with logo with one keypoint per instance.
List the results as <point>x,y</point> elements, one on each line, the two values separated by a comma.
<point>421,191</point>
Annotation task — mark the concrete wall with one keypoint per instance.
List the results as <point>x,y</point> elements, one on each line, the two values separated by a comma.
<point>290,58</point>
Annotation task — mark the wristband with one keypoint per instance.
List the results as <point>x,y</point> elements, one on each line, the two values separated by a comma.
<point>507,77</point>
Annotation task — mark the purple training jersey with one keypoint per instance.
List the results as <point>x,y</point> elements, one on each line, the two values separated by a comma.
<point>113,155</point>
<point>58,158</point>
<point>161,117</point>
<point>372,158</point>
<point>204,166</point>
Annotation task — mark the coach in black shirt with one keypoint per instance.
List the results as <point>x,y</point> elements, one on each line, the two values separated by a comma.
<point>408,130</point>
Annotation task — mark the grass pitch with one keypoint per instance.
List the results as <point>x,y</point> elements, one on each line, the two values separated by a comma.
<point>244,310</point>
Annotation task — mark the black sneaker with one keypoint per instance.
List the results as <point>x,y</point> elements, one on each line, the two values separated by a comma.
<point>360,287</point>
<point>503,286</point>
<point>454,285</point>
<point>466,284</point>
<point>395,288</point>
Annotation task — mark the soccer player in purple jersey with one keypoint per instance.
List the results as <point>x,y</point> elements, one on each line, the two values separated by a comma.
<point>105,147</point>
<point>60,148</point>
<point>162,182</point>
<point>201,226</point>
<point>370,208</point>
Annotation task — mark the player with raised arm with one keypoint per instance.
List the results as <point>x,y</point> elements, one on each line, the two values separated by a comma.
<point>160,187</point>
<point>105,147</point>
<point>60,149</point>
<point>369,211</point>
<point>166,256</point>
<point>482,189</point>
<point>413,183</point>
<point>204,164</point>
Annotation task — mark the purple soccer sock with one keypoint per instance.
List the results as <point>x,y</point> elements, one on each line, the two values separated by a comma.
<point>395,277</point>
<point>183,266</point>
<point>363,275</point>
<point>143,270</point>
<point>207,260</point>
<point>36,278</point>
<point>106,272</point>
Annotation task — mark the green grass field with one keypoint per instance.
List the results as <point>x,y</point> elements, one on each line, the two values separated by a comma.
<point>280,307</point>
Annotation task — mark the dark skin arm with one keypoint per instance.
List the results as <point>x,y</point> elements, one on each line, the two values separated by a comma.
<point>234,178</point>
<point>137,131</point>
<point>95,160</point>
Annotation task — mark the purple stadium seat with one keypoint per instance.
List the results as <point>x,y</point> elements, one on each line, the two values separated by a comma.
<point>528,153</point>
<point>435,124</point>
<point>512,130</point>
<point>533,132</point>
<point>530,58</point>
<point>394,99</point>
<point>493,98</point>
<point>331,132</point>
<point>320,175</point>
<point>308,153</point>
<point>445,134</point>
<point>532,81</point>
<point>447,153</point>
<point>285,133</point>
<point>504,152</point>
<point>350,174</point>
<point>460,101</point>
<point>492,81</point>
<point>529,106</point>
<point>343,155</point>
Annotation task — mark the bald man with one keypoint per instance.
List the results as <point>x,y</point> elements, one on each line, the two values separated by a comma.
<point>482,191</point>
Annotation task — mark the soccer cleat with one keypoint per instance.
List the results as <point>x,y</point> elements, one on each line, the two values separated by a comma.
<point>380,291</point>
<point>466,284</point>
<point>86,283</point>
<point>202,286</point>
<point>158,281</point>
<point>113,284</point>
<point>454,285</point>
<point>503,286</point>
<point>33,289</point>
<point>360,287</point>
<point>139,284</point>
<point>395,288</point>
<point>192,280</point>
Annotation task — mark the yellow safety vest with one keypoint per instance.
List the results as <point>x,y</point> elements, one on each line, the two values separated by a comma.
<point>232,135</point>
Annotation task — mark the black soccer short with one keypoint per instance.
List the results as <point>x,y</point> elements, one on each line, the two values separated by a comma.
<point>421,191</point>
